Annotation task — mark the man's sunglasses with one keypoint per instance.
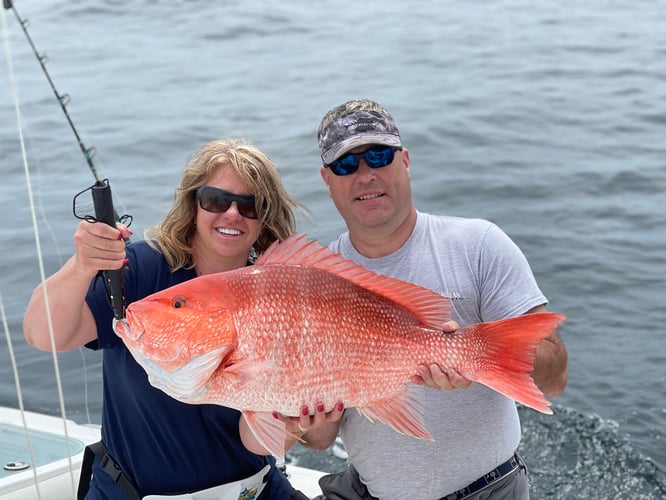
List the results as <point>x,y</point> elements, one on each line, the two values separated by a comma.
<point>375,157</point>
<point>217,200</point>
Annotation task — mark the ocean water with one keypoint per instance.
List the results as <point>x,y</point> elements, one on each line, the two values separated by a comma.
<point>547,118</point>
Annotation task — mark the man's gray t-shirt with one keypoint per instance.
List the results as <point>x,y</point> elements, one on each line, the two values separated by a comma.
<point>486,277</point>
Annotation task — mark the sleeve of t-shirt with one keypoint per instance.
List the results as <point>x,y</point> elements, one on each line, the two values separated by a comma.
<point>507,285</point>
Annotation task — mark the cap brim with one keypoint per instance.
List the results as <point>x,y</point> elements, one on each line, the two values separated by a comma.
<point>362,139</point>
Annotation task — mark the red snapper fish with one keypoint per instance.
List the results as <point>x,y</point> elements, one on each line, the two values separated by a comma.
<point>304,325</point>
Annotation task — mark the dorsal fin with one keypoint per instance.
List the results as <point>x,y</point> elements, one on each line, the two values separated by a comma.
<point>431,308</point>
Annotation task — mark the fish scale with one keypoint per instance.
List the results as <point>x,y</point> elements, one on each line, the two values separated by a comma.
<point>305,326</point>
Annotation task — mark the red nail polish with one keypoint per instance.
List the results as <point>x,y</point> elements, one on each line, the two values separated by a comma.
<point>320,407</point>
<point>304,411</point>
<point>340,407</point>
<point>125,262</point>
<point>275,415</point>
<point>120,236</point>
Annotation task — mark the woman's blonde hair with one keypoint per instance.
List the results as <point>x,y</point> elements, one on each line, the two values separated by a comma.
<point>173,236</point>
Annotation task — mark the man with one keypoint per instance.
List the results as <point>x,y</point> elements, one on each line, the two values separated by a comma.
<point>476,430</point>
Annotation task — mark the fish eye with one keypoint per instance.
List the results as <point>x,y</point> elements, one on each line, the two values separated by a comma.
<point>178,302</point>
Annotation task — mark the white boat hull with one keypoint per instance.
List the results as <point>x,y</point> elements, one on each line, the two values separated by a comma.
<point>57,460</point>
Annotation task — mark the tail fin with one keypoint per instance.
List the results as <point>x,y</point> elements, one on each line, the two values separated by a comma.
<point>508,354</point>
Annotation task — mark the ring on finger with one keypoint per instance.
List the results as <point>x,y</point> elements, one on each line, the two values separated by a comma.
<point>301,428</point>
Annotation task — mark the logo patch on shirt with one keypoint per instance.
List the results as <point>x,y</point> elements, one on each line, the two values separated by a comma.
<point>248,494</point>
<point>453,295</point>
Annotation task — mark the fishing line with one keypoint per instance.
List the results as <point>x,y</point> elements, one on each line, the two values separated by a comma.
<point>87,152</point>
<point>100,191</point>
<point>102,203</point>
<point>12,83</point>
<point>19,394</point>
<point>63,99</point>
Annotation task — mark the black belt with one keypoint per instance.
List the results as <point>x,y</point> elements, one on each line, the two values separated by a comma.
<point>109,465</point>
<point>492,477</point>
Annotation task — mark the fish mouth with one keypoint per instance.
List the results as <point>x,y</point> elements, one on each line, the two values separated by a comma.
<point>131,336</point>
<point>122,329</point>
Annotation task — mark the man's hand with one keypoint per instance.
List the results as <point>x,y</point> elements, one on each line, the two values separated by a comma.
<point>445,379</point>
<point>436,377</point>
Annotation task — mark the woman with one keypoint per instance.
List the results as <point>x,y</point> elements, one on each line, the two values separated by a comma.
<point>230,206</point>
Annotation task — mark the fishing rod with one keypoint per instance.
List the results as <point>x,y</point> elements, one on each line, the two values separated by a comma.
<point>101,190</point>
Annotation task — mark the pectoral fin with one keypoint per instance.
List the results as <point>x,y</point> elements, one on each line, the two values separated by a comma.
<point>247,369</point>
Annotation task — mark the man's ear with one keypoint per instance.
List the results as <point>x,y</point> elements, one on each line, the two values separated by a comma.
<point>405,161</point>
<point>324,175</point>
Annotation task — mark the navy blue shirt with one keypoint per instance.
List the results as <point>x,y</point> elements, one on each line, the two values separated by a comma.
<point>163,446</point>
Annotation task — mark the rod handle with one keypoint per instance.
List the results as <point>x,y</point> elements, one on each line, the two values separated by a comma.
<point>104,212</point>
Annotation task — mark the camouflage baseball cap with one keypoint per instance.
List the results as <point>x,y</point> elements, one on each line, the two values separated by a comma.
<point>357,129</point>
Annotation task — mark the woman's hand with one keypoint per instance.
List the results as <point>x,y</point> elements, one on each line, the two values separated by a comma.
<point>99,247</point>
<point>306,422</point>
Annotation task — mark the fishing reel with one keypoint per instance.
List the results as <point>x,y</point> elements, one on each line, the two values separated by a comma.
<point>102,206</point>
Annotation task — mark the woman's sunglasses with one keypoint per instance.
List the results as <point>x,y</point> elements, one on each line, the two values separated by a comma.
<point>375,157</point>
<point>217,200</point>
